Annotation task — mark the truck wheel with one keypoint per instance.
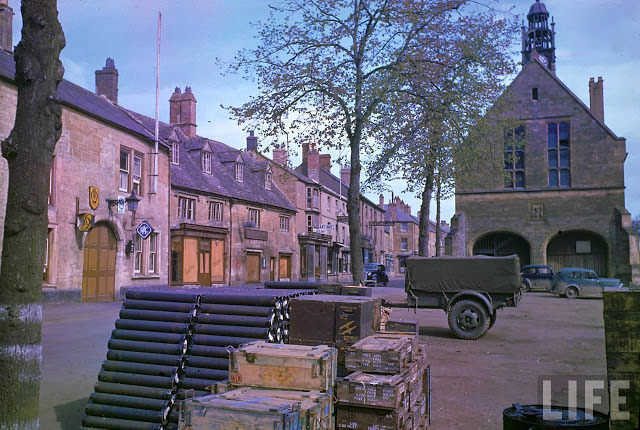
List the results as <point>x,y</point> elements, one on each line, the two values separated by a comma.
<point>492,319</point>
<point>468,319</point>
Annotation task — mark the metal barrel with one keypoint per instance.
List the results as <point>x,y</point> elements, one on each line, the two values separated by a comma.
<point>118,424</point>
<point>153,347</point>
<point>198,384</point>
<point>207,362</point>
<point>139,368</point>
<point>247,310</point>
<point>135,379</point>
<point>128,401</point>
<point>211,340</point>
<point>211,374</point>
<point>230,330</point>
<point>538,417</point>
<point>142,325</point>
<point>110,411</point>
<point>163,295</point>
<point>133,390</point>
<point>238,299</point>
<point>143,357</point>
<point>155,305</point>
<point>209,351</point>
<point>147,336</point>
<point>141,314</point>
<point>292,285</point>
<point>171,426</point>
<point>235,320</point>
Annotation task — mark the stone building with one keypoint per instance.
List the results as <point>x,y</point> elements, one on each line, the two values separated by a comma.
<point>103,158</point>
<point>561,199</point>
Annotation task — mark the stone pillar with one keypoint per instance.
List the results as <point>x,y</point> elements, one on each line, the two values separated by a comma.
<point>323,263</point>
<point>311,255</point>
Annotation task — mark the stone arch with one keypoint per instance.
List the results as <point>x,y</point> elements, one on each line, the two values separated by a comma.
<point>578,248</point>
<point>500,243</point>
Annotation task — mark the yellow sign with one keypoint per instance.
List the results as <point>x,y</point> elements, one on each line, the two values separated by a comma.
<point>94,197</point>
<point>85,222</point>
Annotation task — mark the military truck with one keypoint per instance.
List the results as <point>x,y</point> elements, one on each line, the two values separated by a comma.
<point>469,289</point>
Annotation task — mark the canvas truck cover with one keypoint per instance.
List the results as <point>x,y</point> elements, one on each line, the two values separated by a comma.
<point>453,274</point>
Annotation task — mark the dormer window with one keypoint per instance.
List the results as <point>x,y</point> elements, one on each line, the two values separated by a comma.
<point>267,180</point>
<point>239,172</point>
<point>206,162</point>
<point>175,153</point>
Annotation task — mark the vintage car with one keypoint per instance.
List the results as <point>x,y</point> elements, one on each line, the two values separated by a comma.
<point>572,282</point>
<point>537,277</point>
<point>374,274</point>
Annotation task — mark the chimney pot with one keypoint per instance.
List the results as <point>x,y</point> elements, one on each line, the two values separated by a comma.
<point>182,111</point>
<point>313,164</point>
<point>345,174</point>
<point>107,81</point>
<point>596,97</point>
<point>252,142</point>
<point>280,156</point>
<point>381,199</point>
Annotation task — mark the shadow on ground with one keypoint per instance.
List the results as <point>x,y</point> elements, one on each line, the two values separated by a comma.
<point>69,415</point>
<point>436,332</point>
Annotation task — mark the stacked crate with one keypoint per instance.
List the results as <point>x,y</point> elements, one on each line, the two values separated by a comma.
<point>338,321</point>
<point>389,388</point>
<point>270,386</point>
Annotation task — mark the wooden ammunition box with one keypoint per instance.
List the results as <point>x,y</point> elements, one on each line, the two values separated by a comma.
<point>329,289</point>
<point>356,418</point>
<point>373,390</point>
<point>381,353</point>
<point>356,290</point>
<point>403,326</point>
<point>356,318</point>
<point>293,367</point>
<point>419,414</point>
<point>316,407</point>
<point>214,412</point>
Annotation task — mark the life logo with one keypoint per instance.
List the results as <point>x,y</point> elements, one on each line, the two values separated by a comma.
<point>144,229</point>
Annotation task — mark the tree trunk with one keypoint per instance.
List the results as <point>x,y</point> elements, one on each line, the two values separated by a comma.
<point>438,229</point>
<point>423,228</point>
<point>29,148</point>
<point>353,211</point>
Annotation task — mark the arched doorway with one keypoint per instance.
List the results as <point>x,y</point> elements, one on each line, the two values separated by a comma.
<point>99,267</point>
<point>578,248</point>
<point>501,244</point>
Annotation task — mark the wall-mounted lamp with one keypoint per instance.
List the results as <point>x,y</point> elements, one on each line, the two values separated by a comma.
<point>132,204</point>
<point>129,247</point>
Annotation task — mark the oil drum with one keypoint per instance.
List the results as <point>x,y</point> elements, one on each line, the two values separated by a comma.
<point>538,417</point>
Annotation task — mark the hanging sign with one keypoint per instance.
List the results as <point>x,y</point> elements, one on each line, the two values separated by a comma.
<point>144,229</point>
<point>94,197</point>
<point>85,222</point>
<point>121,204</point>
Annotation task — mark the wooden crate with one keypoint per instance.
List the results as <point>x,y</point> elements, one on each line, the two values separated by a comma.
<point>329,289</point>
<point>294,367</point>
<point>356,318</point>
<point>419,414</point>
<point>403,326</point>
<point>356,290</point>
<point>316,407</point>
<point>214,412</point>
<point>356,418</point>
<point>373,390</point>
<point>381,353</point>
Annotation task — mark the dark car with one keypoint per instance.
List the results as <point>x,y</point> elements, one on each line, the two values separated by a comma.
<point>573,282</point>
<point>374,274</point>
<point>537,277</point>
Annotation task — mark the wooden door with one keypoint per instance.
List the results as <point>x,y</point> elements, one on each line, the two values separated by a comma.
<point>284,271</point>
<point>217,260</point>
<point>204,268</point>
<point>253,267</point>
<point>272,269</point>
<point>99,266</point>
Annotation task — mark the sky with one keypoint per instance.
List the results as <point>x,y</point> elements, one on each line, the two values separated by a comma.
<point>593,38</point>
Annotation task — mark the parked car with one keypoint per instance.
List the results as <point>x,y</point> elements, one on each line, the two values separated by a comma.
<point>374,274</point>
<point>537,277</point>
<point>572,282</point>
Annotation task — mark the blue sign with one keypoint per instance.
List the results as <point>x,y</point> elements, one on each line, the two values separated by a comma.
<point>121,203</point>
<point>144,229</point>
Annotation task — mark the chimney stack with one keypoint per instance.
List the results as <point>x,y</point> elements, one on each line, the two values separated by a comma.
<point>107,81</point>
<point>313,164</point>
<point>345,174</point>
<point>596,97</point>
<point>381,200</point>
<point>182,111</point>
<point>305,152</point>
<point>325,161</point>
<point>6,26</point>
<point>252,142</point>
<point>280,156</point>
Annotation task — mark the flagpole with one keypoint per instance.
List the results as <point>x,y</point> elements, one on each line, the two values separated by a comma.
<point>154,184</point>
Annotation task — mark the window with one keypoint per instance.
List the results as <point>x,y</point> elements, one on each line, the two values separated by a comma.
<point>403,227</point>
<point>215,211</point>
<point>309,223</point>
<point>404,244</point>
<point>206,162</point>
<point>559,155</point>
<point>175,153</point>
<point>284,223</point>
<point>186,208</point>
<point>534,94</point>
<point>153,252</point>
<point>254,217</point>
<point>124,171</point>
<point>267,180</point>
<point>239,173</point>
<point>52,177</point>
<point>137,254</point>
<point>514,158</point>
<point>137,174</point>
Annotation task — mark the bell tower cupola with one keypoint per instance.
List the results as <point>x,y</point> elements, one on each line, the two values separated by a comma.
<point>538,40</point>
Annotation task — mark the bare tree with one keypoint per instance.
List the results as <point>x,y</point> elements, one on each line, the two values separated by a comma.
<point>28,150</point>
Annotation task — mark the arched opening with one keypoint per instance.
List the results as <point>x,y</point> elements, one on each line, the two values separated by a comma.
<point>501,244</point>
<point>578,248</point>
<point>99,266</point>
